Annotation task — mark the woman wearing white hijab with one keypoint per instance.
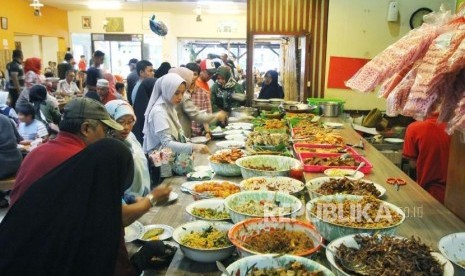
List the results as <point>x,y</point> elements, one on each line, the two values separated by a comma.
<point>162,127</point>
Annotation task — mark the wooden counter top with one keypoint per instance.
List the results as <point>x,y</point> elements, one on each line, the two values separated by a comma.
<point>425,217</point>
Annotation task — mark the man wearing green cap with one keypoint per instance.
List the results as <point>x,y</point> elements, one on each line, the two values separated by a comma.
<point>84,122</point>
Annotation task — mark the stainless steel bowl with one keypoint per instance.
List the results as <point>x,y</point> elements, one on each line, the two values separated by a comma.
<point>244,111</point>
<point>261,102</point>
<point>299,108</point>
<point>330,109</point>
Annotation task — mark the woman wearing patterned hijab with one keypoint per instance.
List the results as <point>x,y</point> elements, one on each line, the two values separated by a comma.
<point>162,127</point>
<point>226,93</point>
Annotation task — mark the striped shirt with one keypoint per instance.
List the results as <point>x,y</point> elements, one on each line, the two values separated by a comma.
<point>36,129</point>
<point>201,100</point>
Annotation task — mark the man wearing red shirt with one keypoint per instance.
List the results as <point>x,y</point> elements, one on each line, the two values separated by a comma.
<point>82,65</point>
<point>85,121</point>
<point>207,70</point>
<point>427,148</point>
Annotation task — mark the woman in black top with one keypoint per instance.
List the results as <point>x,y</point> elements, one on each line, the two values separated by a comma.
<point>270,87</point>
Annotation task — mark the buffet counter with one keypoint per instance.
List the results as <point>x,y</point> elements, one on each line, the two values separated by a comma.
<point>426,218</point>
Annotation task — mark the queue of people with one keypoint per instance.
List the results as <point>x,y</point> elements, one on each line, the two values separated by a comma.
<point>101,148</point>
<point>71,139</point>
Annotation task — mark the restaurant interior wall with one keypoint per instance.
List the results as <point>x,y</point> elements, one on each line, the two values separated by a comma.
<point>179,26</point>
<point>21,20</point>
<point>293,18</point>
<point>359,29</point>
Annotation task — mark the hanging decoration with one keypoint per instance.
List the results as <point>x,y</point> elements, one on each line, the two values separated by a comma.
<point>158,27</point>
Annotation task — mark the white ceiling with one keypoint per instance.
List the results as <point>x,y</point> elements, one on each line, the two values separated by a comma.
<point>176,6</point>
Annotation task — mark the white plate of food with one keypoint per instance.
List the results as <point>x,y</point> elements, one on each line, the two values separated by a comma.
<point>155,232</point>
<point>453,248</point>
<point>199,140</point>
<point>133,231</point>
<point>236,137</point>
<point>237,132</point>
<point>230,144</point>
<point>246,126</point>
<point>171,198</point>
<point>344,172</point>
<point>394,140</point>
<point>333,125</point>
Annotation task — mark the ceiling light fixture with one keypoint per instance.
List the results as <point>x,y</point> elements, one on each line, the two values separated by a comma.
<point>198,12</point>
<point>215,3</point>
<point>36,5</point>
<point>223,11</point>
<point>104,5</point>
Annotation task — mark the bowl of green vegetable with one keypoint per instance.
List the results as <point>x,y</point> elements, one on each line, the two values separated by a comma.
<point>212,209</point>
<point>204,241</point>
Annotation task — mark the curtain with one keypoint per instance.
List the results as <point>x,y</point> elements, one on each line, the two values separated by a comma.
<point>288,69</point>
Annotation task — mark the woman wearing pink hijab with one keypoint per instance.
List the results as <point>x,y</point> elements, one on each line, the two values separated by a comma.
<point>32,67</point>
<point>111,85</point>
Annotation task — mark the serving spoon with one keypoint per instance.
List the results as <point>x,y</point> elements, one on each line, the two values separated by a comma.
<point>349,266</point>
<point>356,170</point>
<point>221,267</point>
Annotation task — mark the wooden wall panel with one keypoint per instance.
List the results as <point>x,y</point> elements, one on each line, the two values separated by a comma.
<point>294,17</point>
<point>455,189</point>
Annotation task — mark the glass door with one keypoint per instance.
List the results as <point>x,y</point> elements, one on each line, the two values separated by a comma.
<point>118,49</point>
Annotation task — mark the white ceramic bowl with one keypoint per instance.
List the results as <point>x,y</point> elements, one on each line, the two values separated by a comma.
<point>212,203</point>
<point>453,247</point>
<point>240,198</point>
<point>282,165</point>
<point>199,140</point>
<point>225,169</point>
<point>279,183</point>
<point>350,242</point>
<point>241,266</point>
<point>315,183</point>
<point>252,227</point>
<point>331,231</point>
<point>203,255</point>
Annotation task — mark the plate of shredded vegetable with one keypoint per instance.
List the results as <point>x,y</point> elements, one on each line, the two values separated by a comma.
<point>204,241</point>
<point>249,204</point>
<point>208,209</point>
<point>340,215</point>
<point>271,265</point>
<point>279,236</point>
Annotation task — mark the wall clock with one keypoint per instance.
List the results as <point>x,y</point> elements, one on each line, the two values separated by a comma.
<point>416,19</point>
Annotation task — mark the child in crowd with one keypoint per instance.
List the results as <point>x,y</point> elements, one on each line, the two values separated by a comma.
<point>29,127</point>
<point>6,108</point>
<point>121,90</point>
